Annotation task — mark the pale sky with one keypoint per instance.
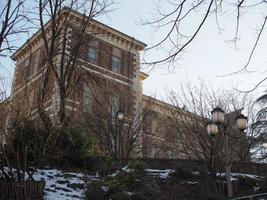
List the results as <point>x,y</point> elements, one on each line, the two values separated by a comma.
<point>209,56</point>
<point>206,58</point>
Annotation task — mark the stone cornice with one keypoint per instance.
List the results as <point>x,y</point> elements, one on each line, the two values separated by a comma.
<point>107,32</point>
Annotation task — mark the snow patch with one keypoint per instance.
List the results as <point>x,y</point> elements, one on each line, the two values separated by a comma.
<point>159,173</point>
<point>62,185</point>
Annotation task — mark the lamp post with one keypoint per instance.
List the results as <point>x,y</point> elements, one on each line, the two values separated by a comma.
<point>120,115</point>
<point>218,126</point>
<point>120,118</point>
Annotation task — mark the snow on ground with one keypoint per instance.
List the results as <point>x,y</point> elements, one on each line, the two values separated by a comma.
<point>159,173</point>
<point>235,175</point>
<point>62,185</point>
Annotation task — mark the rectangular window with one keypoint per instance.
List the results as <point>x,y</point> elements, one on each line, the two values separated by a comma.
<point>26,68</point>
<point>169,154</point>
<point>113,105</point>
<point>31,99</point>
<point>153,152</point>
<point>36,62</point>
<point>116,64</point>
<point>92,55</point>
<point>87,99</point>
<point>116,60</point>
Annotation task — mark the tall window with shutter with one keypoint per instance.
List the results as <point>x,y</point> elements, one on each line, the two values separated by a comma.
<point>87,99</point>
<point>116,60</point>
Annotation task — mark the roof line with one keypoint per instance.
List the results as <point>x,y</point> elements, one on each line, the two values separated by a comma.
<point>73,12</point>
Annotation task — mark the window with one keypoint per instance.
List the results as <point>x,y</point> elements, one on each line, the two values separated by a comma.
<point>153,151</point>
<point>113,105</point>
<point>92,55</point>
<point>26,68</point>
<point>87,99</point>
<point>116,64</point>
<point>153,126</point>
<point>36,62</point>
<point>169,154</point>
<point>116,60</point>
<point>31,99</point>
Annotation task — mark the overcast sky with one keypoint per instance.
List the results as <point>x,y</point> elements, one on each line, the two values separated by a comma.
<point>208,57</point>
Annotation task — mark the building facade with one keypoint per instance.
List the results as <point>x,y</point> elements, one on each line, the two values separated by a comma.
<point>105,78</point>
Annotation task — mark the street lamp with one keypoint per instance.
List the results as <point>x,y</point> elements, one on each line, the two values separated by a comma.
<point>241,122</point>
<point>212,129</point>
<point>217,116</point>
<point>120,115</point>
<point>218,126</point>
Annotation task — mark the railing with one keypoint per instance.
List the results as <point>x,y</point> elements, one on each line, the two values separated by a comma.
<point>22,191</point>
<point>252,197</point>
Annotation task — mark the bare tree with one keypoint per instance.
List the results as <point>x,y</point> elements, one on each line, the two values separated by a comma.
<point>63,38</point>
<point>116,121</point>
<point>171,18</point>
<point>13,23</point>
<point>191,120</point>
<point>258,128</point>
<point>190,124</point>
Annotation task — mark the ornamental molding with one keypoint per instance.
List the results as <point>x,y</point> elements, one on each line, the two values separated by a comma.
<point>107,34</point>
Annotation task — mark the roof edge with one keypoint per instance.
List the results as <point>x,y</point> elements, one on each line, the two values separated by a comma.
<point>77,14</point>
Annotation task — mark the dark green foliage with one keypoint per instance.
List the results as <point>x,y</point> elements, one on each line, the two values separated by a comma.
<point>246,181</point>
<point>24,150</point>
<point>120,196</point>
<point>181,173</point>
<point>95,192</point>
<point>24,142</point>
<point>105,166</point>
<point>148,190</point>
<point>214,198</point>
<point>138,166</point>
<point>72,145</point>
<point>134,181</point>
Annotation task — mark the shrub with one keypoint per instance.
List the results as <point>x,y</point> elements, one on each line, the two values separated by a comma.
<point>106,166</point>
<point>120,196</point>
<point>214,197</point>
<point>181,173</point>
<point>24,141</point>
<point>72,146</point>
<point>121,182</point>
<point>95,192</point>
<point>147,190</point>
<point>138,166</point>
<point>246,181</point>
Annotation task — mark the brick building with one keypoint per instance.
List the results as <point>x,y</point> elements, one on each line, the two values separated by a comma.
<point>107,78</point>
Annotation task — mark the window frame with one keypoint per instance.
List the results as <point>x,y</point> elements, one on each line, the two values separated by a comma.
<point>87,94</point>
<point>116,64</point>
<point>90,59</point>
